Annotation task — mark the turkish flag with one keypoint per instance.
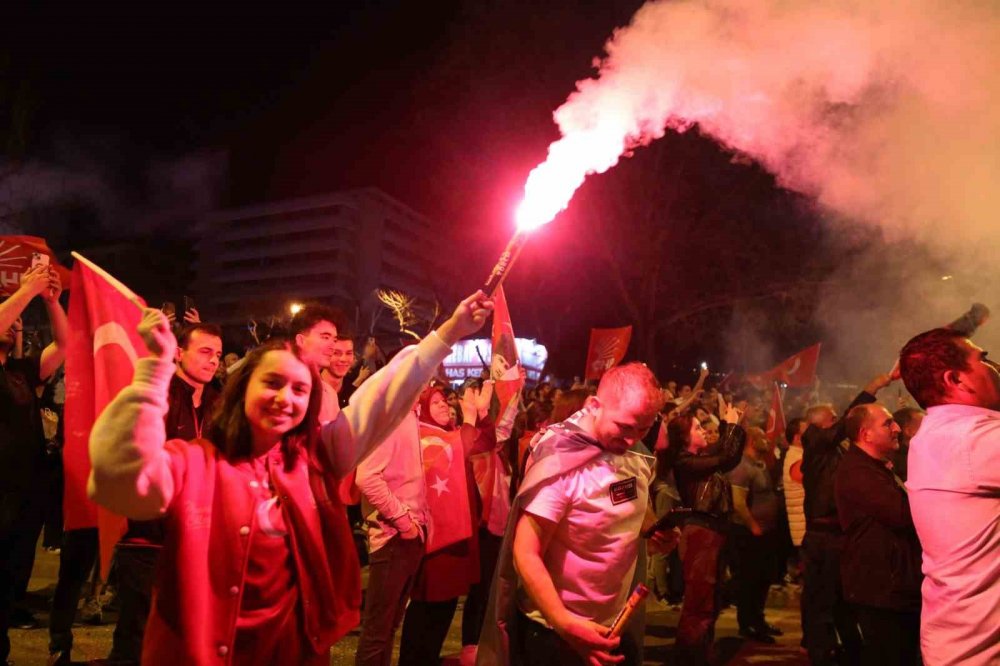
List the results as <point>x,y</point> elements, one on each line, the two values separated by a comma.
<point>447,490</point>
<point>798,370</point>
<point>16,254</point>
<point>100,360</point>
<point>776,416</point>
<point>606,350</point>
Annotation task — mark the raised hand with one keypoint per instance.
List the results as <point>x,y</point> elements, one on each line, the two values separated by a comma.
<point>191,316</point>
<point>51,295</point>
<point>469,317</point>
<point>36,280</point>
<point>154,329</point>
<point>469,405</point>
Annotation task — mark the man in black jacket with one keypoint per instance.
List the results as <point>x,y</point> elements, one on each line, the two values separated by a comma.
<point>824,614</point>
<point>880,563</point>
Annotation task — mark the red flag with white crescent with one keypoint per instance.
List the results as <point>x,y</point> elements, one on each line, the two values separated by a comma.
<point>798,370</point>
<point>100,360</point>
<point>447,490</point>
<point>775,416</point>
<point>16,254</point>
<point>606,350</point>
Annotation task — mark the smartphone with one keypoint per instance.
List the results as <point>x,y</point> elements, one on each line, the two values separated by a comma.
<point>188,303</point>
<point>39,259</point>
<point>169,308</point>
<point>704,365</point>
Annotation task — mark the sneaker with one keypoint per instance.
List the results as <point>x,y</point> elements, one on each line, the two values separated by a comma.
<point>60,658</point>
<point>758,635</point>
<point>772,630</point>
<point>21,618</point>
<point>91,613</point>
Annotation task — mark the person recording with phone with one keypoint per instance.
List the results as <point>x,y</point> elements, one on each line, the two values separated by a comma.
<point>699,471</point>
<point>22,446</point>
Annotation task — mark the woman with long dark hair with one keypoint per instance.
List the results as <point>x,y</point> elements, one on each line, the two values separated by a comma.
<point>258,564</point>
<point>699,471</point>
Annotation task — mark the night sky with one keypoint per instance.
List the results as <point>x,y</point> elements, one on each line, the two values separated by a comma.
<point>445,105</point>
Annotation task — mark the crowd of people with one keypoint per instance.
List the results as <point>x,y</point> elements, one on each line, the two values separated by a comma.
<point>256,486</point>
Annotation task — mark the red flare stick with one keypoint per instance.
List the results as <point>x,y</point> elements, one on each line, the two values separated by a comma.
<point>506,260</point>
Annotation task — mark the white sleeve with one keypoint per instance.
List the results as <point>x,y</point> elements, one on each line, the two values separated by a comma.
<point>130,469</point>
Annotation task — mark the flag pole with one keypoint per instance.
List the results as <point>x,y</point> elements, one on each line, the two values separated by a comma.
<point>110,279</point>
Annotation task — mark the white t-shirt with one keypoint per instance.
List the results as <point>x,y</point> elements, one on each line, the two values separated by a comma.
<point>330,407</point>
<point>599,508</point>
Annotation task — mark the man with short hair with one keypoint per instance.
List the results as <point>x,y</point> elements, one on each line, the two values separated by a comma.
<point>190,400</point>
<point>826,620</point>
<point>880,562</point>
<point>341,362</point>
<point>908,419</point>
<point>314,331</point>
<point>22,444</point>
<point>954,493</point>
<point>569,557</point>
<point>756,510</point>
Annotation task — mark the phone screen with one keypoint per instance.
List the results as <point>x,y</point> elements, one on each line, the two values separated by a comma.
<point>169,308</point>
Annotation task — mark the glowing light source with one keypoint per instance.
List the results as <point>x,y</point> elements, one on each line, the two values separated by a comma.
<point>295,308</point>
<point>946,277</point>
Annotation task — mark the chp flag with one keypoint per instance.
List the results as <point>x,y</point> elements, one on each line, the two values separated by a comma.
<point>505,367</point>
<point>606,350</point>
<point>775,416</point>
<point>100,360</point>
<point>491,475</point>
<point>16,256</point>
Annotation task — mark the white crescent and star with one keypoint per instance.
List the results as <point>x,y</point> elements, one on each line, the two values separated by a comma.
<point>441,485</point>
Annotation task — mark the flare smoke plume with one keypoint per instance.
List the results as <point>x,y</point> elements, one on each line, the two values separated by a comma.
<point>885,112</point>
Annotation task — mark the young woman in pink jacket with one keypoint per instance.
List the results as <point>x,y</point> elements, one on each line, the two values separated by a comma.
<point>258,566</point>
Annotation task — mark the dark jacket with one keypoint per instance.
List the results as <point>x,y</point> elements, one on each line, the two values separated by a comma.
<point>880,563</point>
<point>183,421</point>
<point>700,480</point>
<point>821,454</point>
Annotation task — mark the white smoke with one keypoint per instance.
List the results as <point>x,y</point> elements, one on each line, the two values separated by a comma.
<point>885,112</point>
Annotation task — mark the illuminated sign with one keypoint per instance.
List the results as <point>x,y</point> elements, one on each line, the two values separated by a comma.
<point>464,360</point>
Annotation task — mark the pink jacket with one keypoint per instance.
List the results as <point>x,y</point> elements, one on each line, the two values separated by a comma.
<point>209,509</point>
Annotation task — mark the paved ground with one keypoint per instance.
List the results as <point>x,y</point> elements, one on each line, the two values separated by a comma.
<point>30,648</point>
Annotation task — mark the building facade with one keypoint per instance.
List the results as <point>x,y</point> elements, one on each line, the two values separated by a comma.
<point>337,249</point>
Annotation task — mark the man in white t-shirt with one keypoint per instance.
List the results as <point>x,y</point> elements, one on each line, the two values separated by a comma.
<point>953,481</point>
<point>576,538</point>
